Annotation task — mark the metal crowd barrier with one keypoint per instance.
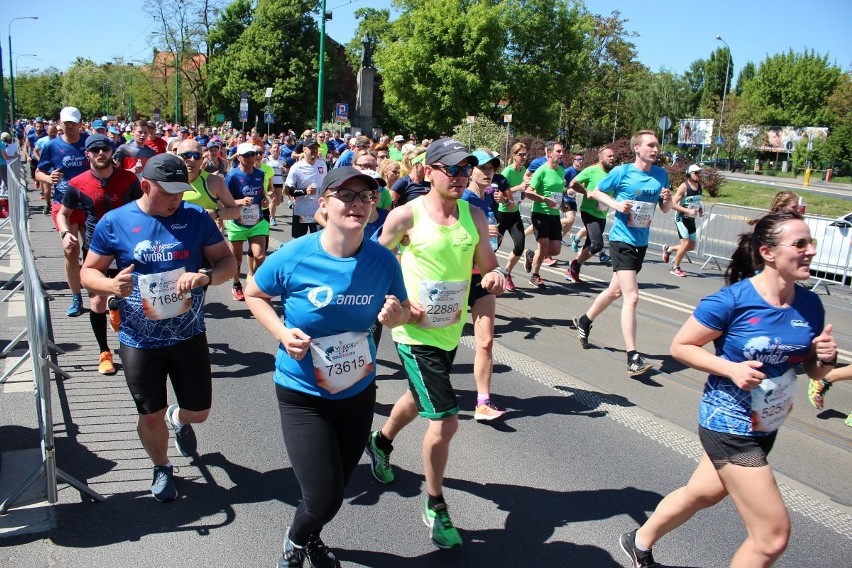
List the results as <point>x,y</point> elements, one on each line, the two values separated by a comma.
<point>37,333</point>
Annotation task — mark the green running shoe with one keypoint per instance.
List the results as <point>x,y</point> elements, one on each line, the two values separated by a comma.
<point>444,534</point>
<point>380,460</point>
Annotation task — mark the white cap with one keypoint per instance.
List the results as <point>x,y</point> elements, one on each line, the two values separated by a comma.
<point>69,114</point>
<point>245,148</point>
<point>399,138</point>
<point>693,168</point>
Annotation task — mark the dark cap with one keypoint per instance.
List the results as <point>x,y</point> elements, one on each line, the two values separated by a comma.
<point>214,143</point>
<point>169,172</point>
<point>449,152</point>
<point>309,142</point>
<point>98,140</point>
<point>339,176</point>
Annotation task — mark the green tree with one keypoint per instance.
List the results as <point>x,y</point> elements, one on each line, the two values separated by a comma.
<point>593,100</point>
<point>275,50</point>
<point>654,95</point>
<point>792,89</point>
<point>696,77</point>
<point>715,78</point>
<point>84,86</point>
<point>545,61</point>
<point>747,73</point>
<point>483,133</point>
<point>39,94</point>
<point>442,66</point>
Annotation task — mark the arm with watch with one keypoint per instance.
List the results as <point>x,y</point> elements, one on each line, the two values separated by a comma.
<point>226,207</point>
<point>823,355</point>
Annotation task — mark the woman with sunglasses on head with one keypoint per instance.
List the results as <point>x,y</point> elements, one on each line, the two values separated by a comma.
<point>333,285</point>
<point>509,211</point>
<point>413,182</point>
<point>762,325</point>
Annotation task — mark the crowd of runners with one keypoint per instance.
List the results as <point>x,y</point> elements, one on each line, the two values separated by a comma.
<point>149,215</point>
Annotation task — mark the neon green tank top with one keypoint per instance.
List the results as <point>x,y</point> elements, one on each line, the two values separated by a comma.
<point>436,270</point>
<point>200,194</point>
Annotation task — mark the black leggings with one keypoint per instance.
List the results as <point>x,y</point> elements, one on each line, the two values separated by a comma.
<point>324,439</point>
<point>511,221</point>
<point>594,232</point>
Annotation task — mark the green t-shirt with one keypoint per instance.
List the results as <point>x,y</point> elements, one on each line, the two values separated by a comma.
<point>395,154</point>
<point>550,183</point>
<point>589,178</point>
<point>514,178</point>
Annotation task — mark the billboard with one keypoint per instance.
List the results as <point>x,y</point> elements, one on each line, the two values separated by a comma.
<point>695,131</point>
<point>777,138</point>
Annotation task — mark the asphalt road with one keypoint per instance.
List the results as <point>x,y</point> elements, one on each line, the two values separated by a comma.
<point>584,455</point>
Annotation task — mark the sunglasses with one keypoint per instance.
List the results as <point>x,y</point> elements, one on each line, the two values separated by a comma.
<point>801,245</point>
<point>348,196</point>
<point>99,149</point>
<point>455,171</point>
<point>522,154</point>
<point>190,155</point>
<point>369,165</point>
<point>249,155</point>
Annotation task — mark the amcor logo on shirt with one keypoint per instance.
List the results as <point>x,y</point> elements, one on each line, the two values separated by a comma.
<point>321,296</point>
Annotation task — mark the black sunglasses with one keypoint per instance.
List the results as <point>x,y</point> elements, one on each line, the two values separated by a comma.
<point>249,155</point>
<point>455,171</point>
<point>348,196</point>
<point>190,155</point>
<point>98,149</point>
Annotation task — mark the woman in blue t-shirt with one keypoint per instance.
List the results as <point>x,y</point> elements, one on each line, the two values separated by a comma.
<point>333,285</point>
<point>762,326</point>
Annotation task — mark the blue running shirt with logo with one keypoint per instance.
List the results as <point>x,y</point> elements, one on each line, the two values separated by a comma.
<point>70,159</point>
<point>242,185</point>
<point>753,330</point>
<point>325,296</point>
<point>157,246</point>
<point>629,183</point>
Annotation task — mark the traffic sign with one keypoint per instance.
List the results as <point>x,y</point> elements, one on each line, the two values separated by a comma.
<point>341,112</point>
<point>507,118</point>
<point>220,118</point>
<point>665,123</point>
<point>157,115</point>
<point>471,119</point>
<point>719,141</point>
<point>269,117</point>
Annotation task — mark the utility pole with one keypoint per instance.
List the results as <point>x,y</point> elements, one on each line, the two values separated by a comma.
<point>321,79</point>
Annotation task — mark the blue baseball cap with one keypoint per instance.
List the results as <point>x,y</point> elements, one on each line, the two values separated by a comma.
<point>484,157</point>
<point>98,124</point>
<point>97,140</point>
<point>114,130</point>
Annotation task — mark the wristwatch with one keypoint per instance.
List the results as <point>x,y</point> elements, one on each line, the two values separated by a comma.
<point>208,272</point>
<point>830,363</point>
<point>62,234</point>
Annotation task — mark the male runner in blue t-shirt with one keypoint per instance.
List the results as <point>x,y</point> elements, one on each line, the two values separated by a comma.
<point>159,244</point>
<point>633,190</point>
<point>63,159</point>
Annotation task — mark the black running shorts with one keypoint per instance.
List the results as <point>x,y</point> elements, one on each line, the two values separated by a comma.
<point>187,364</point>
<point>626,256</point>
<point>745,451</point>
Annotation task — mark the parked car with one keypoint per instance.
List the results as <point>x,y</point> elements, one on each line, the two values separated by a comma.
<point>722,164</point>
<point>834,246</point>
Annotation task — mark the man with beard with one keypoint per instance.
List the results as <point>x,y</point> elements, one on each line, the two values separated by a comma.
<point>101,189</point>
<point>593,213</point>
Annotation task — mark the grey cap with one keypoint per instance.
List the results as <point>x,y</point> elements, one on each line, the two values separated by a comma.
<point>169,172</point>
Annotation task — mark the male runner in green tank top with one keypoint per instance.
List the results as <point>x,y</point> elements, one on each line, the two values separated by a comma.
<point>443,238</point>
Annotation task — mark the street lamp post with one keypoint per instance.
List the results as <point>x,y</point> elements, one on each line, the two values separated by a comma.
<point>724,93</point>
<point>12,96</point>
<point>11,71</point>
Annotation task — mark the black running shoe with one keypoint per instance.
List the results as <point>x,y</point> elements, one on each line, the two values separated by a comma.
<point>637,365</point>
<point>639,558</point>
<point>582,332</point>
<point>528,259</point>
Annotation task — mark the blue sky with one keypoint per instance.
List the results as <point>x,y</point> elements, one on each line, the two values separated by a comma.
<point>672,33</point>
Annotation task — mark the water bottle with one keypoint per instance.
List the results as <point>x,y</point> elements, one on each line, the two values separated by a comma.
<point>139,164</point>
<point>492,222</point>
